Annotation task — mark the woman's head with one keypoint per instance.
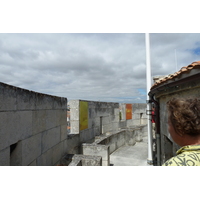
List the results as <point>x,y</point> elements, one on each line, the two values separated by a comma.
<point>184,117</point>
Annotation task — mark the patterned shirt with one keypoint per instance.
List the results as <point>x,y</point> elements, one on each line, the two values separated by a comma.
<point>186,156</point>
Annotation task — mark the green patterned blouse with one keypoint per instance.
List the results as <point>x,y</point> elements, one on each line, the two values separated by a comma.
<point>186,156</point>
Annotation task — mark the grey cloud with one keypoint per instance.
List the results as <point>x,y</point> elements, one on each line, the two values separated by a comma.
<point>107,67</point>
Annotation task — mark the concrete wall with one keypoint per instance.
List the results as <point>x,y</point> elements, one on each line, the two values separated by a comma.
<point>188,89</point>
<point>139,116</point>
<point>86,160</point>
<point>102,117</point>
<point>106,144</point>
<point>33,127</point>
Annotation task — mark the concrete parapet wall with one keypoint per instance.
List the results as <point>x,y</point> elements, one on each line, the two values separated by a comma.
<point>106,144</point>
<point>101,118</point>
<point>33,127</point>
<point>86,160</point>
<point>98,150</point>
<point>139,116</point>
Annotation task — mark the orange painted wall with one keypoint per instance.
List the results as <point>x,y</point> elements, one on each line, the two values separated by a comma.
<point>128,111</point>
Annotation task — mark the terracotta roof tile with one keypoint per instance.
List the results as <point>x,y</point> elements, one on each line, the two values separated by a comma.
<point>186,69</point>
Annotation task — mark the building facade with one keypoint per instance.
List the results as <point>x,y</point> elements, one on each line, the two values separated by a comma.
<point>184,83</point>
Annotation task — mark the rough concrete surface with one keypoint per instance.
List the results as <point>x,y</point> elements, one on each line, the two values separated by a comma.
<point>131,155</point>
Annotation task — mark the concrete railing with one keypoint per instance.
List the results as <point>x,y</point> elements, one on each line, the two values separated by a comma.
<point>80,160</point>
<point>104,145</point>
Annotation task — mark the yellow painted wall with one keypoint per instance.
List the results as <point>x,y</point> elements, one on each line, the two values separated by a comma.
<point>83,108</point>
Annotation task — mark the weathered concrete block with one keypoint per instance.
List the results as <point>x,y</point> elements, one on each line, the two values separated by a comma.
<point>65,145</point>
<point>14,126</point>
<point>123,111</point>
<point>130,137</point>
<point>8,100</point>
<point>97,131</point>
<point>122,124</point>
<point>31,149</point>
<point>97,121</point>
<point>129,122</point>
<point>105,163</point>
<point>25,99</point>
<point>64,102</point>
<point>38,121</point>
<point>139,107</point>
<point>106,128</point>
<point>16,154</point>
<point>98,150</point>
<point>92,113</point>
<point>45,159</point>
<point>51,119</point>
<point>93,104</point>
<point>72,144</point>
<point>57,152</point>
<point>5,125</point>
<point>44,101</point>
<point>76,162</point>
<point>144,130</point>
<point>50,138</point>
<point>136,116</point>
<point>116,111</point>
<point>136,122</point>
<point>120,139</point>
<point>74,126</point>
<point>62,117</point>
<point>143,121</point>
<point>106,120</point>
<point>139,136</point>
<point>91,161</point>
<point>5,157</point>
<point>63,132</point>
<point>25,125</point>
<point>59,102</point>
<point>115,126</point>
<point>33,163</point>
<point>86,160</point>
<point>113,145</point>
<point>74,113</point>
<point>86,135</point>
<point>74,104</point>
<point>91,123</point>
<point>115,118</point>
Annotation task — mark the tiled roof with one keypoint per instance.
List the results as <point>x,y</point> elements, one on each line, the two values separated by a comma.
<point>183,70</point>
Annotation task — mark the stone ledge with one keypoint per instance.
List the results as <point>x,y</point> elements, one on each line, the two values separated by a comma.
<point>84,160</point>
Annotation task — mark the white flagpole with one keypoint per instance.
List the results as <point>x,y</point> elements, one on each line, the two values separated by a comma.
<point>148,80</point>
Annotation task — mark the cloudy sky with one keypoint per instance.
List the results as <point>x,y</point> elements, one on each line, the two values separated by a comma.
<point>101,67</point>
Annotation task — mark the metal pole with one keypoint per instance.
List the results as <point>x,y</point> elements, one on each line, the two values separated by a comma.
<point>148,80</point>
